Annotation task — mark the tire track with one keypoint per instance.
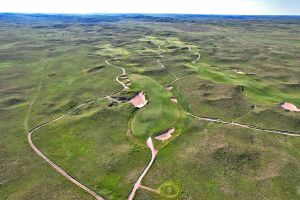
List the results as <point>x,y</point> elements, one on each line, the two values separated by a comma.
<point>137,185</point>
<point>215,120</point>
<point>196,52</point>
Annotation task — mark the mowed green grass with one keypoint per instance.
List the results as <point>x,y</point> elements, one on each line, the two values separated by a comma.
<point>258,90</point>
<point>159,114</point>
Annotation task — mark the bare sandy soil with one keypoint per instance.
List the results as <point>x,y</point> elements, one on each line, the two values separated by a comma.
<point>166,135</point>
<point>174,100</point>
<point>139,100</point>
<point>239,72</point>
<point>169,88</point>
<point>289,107</point>
<point>137,185</point>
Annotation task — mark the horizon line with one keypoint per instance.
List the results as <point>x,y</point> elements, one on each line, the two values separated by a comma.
<point>129,13</point>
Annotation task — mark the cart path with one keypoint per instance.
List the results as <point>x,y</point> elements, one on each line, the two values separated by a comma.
<point>215,120</point>
<point>196,52</point>
<point>30,107</point>
<point>43,156</point>
<point>142,187</point>
<point>137,185</point>
<point>162,66</point>
<point>181,77</point>
<point>117,78</point>
<point>57,168</point>
<point>159,62</point>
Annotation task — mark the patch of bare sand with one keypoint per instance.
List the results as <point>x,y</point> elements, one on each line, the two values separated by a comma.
<point>169,87</point>
<point>174,100</point>
<point>239,72</point>
<point>289,107</point>
<point>139,100</point>
<point>166,135</point>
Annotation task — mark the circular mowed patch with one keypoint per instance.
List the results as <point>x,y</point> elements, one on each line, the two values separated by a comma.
<point>169,189</point>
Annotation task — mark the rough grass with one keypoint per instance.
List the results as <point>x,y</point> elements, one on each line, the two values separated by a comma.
<point>93,147</point>
<point>217,162</point>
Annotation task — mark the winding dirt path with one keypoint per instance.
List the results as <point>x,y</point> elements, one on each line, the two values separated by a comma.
<point>117,78</point>
<point>57,168</point>
<point>161,65</point>
<point>196,52</point>
<point>287,133</point>
<point>52,164</point>
<point>43,156</point>
<point>149,189</point>
<point>179,78</point>
<point>30,107</point>
<point>137,185</point>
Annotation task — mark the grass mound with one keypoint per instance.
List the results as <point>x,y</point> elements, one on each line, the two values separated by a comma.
<point>95,69</point>
<point>169,189</point>
<point>159,115</point>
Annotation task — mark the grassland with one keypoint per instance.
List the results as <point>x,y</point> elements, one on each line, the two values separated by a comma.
<point>210,161</point>
<point>60,61</point>
<point>95,137</point>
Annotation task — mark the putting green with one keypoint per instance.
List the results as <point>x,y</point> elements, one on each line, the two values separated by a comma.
<point>159,114</point>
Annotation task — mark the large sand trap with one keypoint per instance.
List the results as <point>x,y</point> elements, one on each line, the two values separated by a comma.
<point>139,100</point>
<point>290,107</point>
<point>166,135</point>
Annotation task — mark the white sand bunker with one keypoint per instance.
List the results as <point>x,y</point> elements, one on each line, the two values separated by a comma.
<point>166,135</point>
<point>290,107</point>
<point>169,87</point>
<point>239,71</point>
<point>139,100</point>
<point>173,99</point>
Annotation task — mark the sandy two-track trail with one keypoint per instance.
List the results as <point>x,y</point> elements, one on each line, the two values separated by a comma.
<point>287,133</point>
<point>139,181</point>
<point>43,156</point>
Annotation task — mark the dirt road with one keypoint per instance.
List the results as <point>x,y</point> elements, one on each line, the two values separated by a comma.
<point>40,153</point>
<point>287,133</point>
<point>138,182</point>
<point>196,52</point>
<point>117,78</point>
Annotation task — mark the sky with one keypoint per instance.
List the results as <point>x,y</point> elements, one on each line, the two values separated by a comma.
<point>244,7</point>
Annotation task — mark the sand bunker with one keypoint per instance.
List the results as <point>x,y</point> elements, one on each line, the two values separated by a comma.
<point>290,107</point>
<point>239,72</point>
<point>166,135</point>
<point>169,88</point>
<point>174,100</point>
<point>139,100</point>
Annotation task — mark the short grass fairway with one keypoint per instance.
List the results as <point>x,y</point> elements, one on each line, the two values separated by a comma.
<point>159,114</point>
